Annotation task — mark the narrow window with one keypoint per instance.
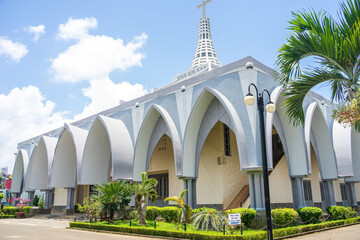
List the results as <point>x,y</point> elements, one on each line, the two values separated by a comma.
<point>344,195</point>
<point>307,190</point>
<point>227,149</point>
<point>322,191</point>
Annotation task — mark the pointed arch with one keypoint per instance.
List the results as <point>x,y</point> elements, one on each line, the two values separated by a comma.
<point>108,147</point>
<point>317,132</point>
<point>68,157</point>
<point>193,127</point>
<point>157,122</point>
<point>19,172</point>
<point>40,163</point>
<point>291,137</point>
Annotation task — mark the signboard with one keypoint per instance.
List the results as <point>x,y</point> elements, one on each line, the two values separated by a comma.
<point>234,219</point>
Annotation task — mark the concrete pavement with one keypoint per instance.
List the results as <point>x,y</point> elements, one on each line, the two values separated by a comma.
<point>343,233</point>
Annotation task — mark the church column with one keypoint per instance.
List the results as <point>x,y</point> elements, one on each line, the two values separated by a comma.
<point>70,200</point>
<point>190,196</point>
<point>351,188</point>
<point>30,195</point>
<point>256,187</point>
<point>48,199</point>
<point>330,192</point>
<point>298,192</point>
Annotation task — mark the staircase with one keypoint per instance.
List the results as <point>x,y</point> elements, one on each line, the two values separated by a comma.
<point>240,198</point>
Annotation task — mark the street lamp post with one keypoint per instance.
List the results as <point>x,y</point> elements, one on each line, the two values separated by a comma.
<point>270,107</point>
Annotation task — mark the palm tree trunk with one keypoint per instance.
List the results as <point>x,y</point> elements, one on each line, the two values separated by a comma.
<point>142,211</point>
<point>183,219</point>
<point>351,93</point>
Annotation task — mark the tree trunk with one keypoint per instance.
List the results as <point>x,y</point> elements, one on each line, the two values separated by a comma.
<point>351,92</point>
<point>112,214</point>
<point>142,211</point>
<point>183,219</point>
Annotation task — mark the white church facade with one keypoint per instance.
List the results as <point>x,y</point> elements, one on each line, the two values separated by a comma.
<point>197,134</point>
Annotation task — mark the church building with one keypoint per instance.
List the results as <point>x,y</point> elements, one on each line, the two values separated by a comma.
<point>197,133</point>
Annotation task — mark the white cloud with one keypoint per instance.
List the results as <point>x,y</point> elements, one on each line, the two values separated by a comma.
<point>15,51</point>
<point>93,56</point>
<point>38,31</point>
<point>105,94</point>
<point>25,113</point>
<point>76,28</point>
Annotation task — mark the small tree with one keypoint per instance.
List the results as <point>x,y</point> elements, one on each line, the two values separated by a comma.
<point>185,208</point>
<point>114,196</point>
<point>142,191</point>
<point>35,201</point>
<point>91,207</point>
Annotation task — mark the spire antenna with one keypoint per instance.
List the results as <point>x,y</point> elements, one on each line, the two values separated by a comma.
<point>203,6</point>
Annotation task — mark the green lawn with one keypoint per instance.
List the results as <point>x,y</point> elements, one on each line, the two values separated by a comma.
<point>170,227</point>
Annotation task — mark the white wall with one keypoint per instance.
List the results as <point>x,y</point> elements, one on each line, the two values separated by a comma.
<point>60,197</point>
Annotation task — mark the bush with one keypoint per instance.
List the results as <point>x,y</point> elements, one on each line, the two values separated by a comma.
<point>152,213</point>
<point>340,212</point>
<point>203,209</point>
<point>170,214</point>
<point>134,214</point>
<point>10,210</point>
<point>27,209</point>
<point>35,201</point>
<point>310,214</point>
<point>247,215</point>
<point>283,216</point>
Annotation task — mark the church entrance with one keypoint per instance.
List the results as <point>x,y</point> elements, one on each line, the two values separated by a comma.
<point>162,189</point>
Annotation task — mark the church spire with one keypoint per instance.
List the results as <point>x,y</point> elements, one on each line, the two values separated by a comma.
<point>205,58</point>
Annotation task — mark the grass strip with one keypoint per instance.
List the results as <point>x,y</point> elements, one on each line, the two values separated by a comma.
<point>208,235</point>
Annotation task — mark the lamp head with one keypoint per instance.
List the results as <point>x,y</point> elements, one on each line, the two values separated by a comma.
<point>249,99</point>
<point>270,107</point>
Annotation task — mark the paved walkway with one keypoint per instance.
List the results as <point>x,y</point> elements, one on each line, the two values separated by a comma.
<point>44,229</point>
<point>344,233</point>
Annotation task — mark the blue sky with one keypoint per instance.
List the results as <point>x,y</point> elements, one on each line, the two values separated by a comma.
<point>61,60</point>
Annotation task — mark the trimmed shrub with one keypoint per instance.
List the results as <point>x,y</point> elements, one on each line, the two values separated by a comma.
<point>310,214</point>
<point>7,216</point>
<point>170,214</point>
<point>10,210</point>
<point>35,201</point>
<point>247,215</point>
<point>340,212</point>
<point>283,216</point>
<point>203,209</point>
<point>134,214</point>
<point>152,213</point>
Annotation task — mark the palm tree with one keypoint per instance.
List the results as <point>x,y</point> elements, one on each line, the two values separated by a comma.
<point>143,191</point>
<point>114,196</point>
<point>335,45</point>
<point>185,208</point>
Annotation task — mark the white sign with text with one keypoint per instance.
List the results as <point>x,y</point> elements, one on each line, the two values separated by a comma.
<point>234,219</point>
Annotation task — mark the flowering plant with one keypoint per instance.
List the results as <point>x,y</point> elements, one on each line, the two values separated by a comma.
<point>348,114</point>
<point>90,207</point>
<point>21,203</point>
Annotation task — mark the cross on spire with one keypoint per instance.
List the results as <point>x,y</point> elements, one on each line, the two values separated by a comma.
<point>203,6</point>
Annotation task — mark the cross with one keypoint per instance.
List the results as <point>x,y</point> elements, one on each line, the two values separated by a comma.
<point>203,6</point>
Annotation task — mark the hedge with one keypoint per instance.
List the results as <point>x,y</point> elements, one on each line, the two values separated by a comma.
<point>202,236</point>
<point>152,213</point>
<point>283,216</point>
<point>340,212</point>
<point>12,210</point>
<point>7,216</point>
<point>247,215</point>
<point>310,214</point>
<point>203,209</point>
<point>170,214</point>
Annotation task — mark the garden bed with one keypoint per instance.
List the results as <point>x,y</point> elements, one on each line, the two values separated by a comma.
<point>177,231</point>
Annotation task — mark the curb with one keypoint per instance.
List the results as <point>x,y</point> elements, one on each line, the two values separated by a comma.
<point>316,231</point>
<point>122,233</point>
